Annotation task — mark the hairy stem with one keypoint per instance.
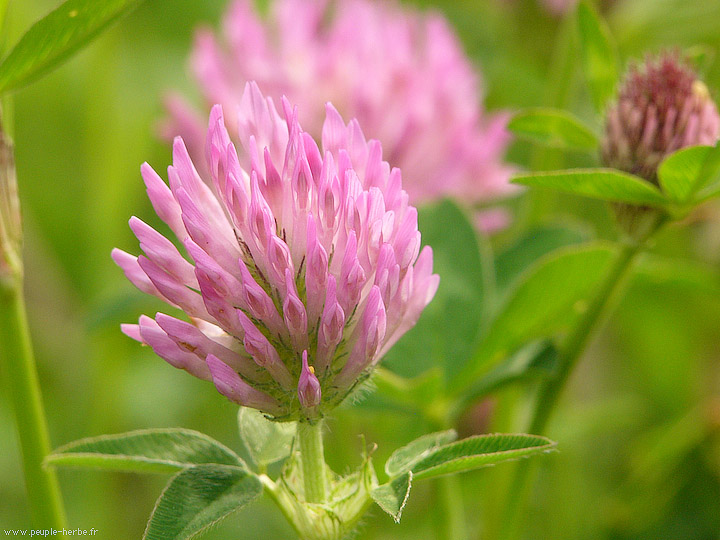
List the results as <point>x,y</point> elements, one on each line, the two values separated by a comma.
<point>22,386</point>
<point>313,461</point>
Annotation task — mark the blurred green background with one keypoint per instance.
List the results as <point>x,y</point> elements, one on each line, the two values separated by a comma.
<point>638,429</point>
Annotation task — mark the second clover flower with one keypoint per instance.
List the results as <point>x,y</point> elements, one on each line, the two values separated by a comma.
<point>662,106</point>
<point>401,72</point>
<point>305,262</point>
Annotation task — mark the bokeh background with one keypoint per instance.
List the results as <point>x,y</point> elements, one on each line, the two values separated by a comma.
<point>638,429</point>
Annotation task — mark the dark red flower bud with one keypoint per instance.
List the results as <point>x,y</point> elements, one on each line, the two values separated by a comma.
<point>662,106</point>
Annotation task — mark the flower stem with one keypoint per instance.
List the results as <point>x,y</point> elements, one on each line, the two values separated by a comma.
<point>18,366</point>
<point>579,338</point>
<point>570,353</point>
<point>313,461</point>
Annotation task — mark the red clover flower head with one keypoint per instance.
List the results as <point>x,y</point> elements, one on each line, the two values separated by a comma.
<point>304,262</point>
<point>662,107</point>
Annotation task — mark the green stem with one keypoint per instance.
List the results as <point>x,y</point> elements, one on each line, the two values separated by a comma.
<point>571,352</point>
<point>313,461</point>
<point>579,338</point>
<point>18,365</point>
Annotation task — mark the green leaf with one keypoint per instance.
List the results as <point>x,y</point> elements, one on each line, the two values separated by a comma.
<point>479,451</point>
<point>554,128</point>
<point>448,329</point>
<point>548,297</point>
<point>606,184</point>
<point>707,184</point>
<point>686,171</point>
<point>403,459</point>
<point>537,359</point>
<point>150,450</point>
<point>198,497</point>
<point>599,55</point>
<point>266,441</point>
<point>393,496</point>
<point>532,245</point>
<point>56,37</point>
